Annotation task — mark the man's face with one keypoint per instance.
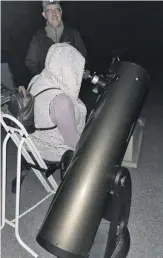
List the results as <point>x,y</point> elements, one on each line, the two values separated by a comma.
<point>53,15</point>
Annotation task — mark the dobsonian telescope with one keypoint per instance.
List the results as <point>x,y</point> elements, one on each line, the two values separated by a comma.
<point>95,185</point>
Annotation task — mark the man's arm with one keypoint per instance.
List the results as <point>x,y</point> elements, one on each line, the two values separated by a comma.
<point>79,44</point>
<point>32,57</point>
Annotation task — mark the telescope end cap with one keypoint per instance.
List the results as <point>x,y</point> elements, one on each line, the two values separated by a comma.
<point>55,250</point>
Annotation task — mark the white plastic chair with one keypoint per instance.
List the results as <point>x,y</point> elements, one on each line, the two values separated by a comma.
<point>21,137</point>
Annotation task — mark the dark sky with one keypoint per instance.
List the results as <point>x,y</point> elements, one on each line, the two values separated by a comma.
<point>104,26</point>
<point>107,25</point>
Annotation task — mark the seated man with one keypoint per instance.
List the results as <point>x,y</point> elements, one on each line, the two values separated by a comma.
<point>58,105</point>
<point>54,32</point>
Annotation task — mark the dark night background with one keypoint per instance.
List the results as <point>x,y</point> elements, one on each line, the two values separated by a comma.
<point>104,26</point>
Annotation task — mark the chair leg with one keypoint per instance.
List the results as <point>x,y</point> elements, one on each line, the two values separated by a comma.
<point>17,208</point>
<point>13,189</point>
<point>3,187</point>
<point>24,172</point>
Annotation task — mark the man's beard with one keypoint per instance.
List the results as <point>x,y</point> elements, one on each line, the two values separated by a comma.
<point>55,24</point>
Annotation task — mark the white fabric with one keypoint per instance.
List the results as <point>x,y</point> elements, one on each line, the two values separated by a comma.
<point>64,67</point>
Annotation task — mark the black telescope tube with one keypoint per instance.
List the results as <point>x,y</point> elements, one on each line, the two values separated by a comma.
<point>72,221</point>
